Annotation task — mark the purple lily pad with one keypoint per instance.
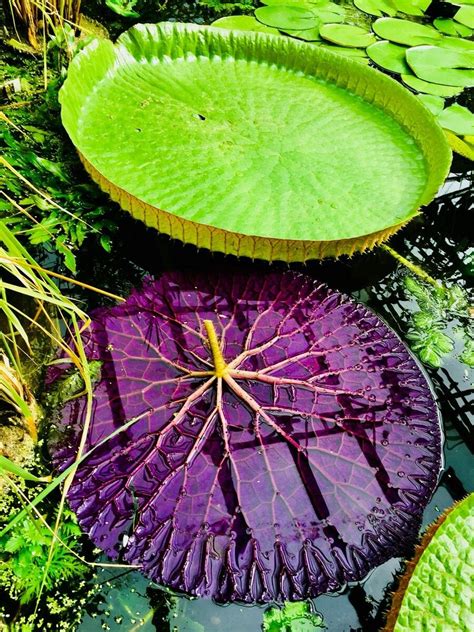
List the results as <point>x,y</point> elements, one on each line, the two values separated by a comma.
<point>305,462</point>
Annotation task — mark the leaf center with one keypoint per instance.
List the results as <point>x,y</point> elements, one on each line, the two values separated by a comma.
<point>220,366</point>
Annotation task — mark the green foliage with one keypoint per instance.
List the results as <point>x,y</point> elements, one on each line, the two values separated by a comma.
<point>24,555</point>
<point>223,6</point>
<point>427,327</point>
<point>125,8</point>
<point>47,197</point>
<point>292,617</point>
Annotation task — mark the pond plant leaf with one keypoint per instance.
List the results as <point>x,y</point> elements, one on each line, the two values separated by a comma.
<point>412,7</point>
<point>308,35</point>
<point>405,32</point>
<point>236,141</point>
<point>451,27</point>
<point>290,441</point>
<point>243,23</point>
<point>412,81</point>
<point>389,56</point>
<point>442,65</point>
<point>286,17</point>
<point>347,35</point>
<point>434,104</point>
<point>457,119</point>
<point>438,583</point>
<point>376,7</point>
<point>465,16</point>
<point>464,147</point>
<point>296,616</point>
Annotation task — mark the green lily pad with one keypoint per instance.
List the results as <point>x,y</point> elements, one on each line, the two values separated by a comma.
<point>296,616</point>
<point>389,56</point>
<point>456,43</point>
<point>243,23</point>
<point>463,146</point>
<point>347,35</point>
<point>376,7</point>
<point>457,119</point>
<point>286,17</point>
<point>451,27</point>
<point>308,35</point>
<point>405,32</point>
<point>427,87</point>
<point>412,7</point>
<point>437,592</point>
<point>465,16</point>
<point>245,143</point>
<point>330,12</point>
<point>357,54</point>
<point>442,65</point>
<point>434,104</point>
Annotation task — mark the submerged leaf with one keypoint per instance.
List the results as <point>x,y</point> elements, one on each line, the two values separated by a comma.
<point>290,440</point>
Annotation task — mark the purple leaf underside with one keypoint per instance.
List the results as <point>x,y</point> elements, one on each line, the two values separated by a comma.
<point>304,464</point>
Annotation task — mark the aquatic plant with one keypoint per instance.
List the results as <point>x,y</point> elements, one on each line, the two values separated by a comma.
<point>288,442</point>
<point>248,182</point>
<point>438,583</point>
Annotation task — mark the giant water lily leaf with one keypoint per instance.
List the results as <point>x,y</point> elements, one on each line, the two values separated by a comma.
<point>289,441</point>
<point>438,586</point>
<point>406,32</point>
<point>389,56</point>
<point>442,65</point>
<point>244,142</point>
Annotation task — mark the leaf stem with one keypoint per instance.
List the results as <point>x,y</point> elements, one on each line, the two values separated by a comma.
<point>419,272</point>
<point>220,365</point>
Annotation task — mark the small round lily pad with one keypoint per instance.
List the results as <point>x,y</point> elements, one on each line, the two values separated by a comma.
<point>457,119</point>
<point>347,35</point>
<point>243,23</point>
<point>405,32</point>
<point>465,16</point>
<point>286,17</point>
<point>442,65</point>
<point>376,7</point>
<point>308,35</point>
<point>389,56</point>
<point>357,54</point>
<point>451,27</point>
<point>434,104</point>
<point>412,7</point>
<point>427,87</point>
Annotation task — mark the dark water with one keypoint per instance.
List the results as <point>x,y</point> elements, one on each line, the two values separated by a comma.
<point>441,241</point>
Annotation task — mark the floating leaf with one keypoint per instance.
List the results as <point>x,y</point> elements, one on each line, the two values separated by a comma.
<point>354,53</point>
<point>434,104</point>
<point>437,586</point>
<point>442,65</point>
<point>457,119</point>
<point>347,35</point>
<point>465,16</point>
<point>451,27</point>
<point>389,56</point>
<point>286,17</point>
<point>456,43</point>
<point>243,180</point>
<point>461,146</point>
<point>430,88</point>
<point>308,35</point>
<point>412,7</point>
<point>405,32</point>
<point>376,7</point>
<point>290,441</point>
<point>243,23</point>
